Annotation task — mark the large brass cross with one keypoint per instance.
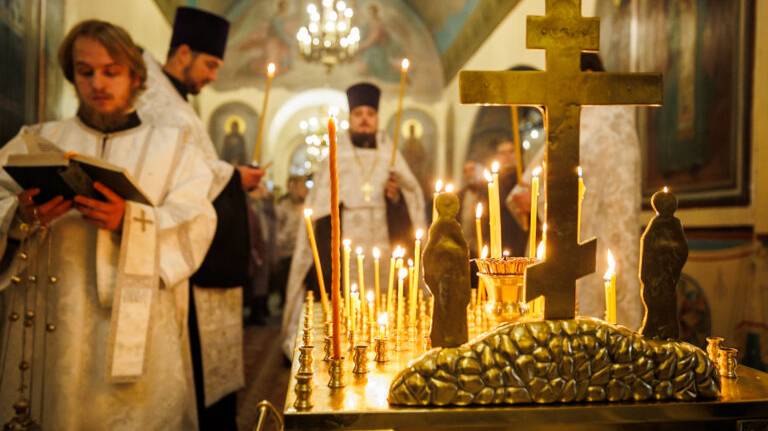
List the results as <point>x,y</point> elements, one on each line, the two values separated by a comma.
<point>562,89</point>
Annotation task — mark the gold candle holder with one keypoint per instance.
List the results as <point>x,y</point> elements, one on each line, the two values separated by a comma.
<point>303,390</point>
<point>305,360</point>
<point>504,280</point>
<point>361,360</point>
<point>327,340</point>
<point>727,362</point>
<point>380,349</point>
<point>336,371</point>
<point>713,348</point>
<point>350,341</point>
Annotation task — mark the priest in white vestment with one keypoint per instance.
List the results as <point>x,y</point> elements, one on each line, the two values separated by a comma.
<point>216,302</point>
<point>610,160</point>
<point>91,289</point>
<point>381,205</point>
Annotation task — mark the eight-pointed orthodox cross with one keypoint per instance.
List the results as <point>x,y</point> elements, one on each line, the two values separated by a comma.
<point>561,89</point>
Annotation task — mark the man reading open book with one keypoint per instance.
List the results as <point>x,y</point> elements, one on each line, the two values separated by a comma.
<point>96,286</point>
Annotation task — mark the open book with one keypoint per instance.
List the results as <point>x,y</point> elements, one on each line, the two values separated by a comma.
<point>66,174</point>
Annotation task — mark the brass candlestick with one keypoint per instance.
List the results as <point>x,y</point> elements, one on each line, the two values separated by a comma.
<point>303,390</point>
<point>713,348</point>
<point>305,360</point>
<point>336,371</point>
<point>21,420</point>
<point>306,337</point>
<point>380,349</point>
<point>361,359</point>
<point>727,362</point>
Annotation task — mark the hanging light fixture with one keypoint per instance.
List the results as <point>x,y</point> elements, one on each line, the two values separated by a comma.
<point>329,37</point>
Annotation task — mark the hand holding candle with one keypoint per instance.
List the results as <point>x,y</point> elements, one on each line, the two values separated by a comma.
<point>404,65</point>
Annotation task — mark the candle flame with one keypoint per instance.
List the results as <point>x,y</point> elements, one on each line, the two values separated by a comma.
<point>399,252</point>
<point>358,250</point>
<point>484,252</point>
<point>544,229</point>
<point>410,262</point>
<point>419,233</point>
<point>383,318</point>
<point>369,296</point>
<point>495,167</point>
<point>666,189</point>
<point>611,266</point>
<point>541,250</point>
<point>505,253</point>
<point>487,175</point>
<point>581,172</point>
<point>405,64</point>
<point>537,171</point>
<point>402,274</point>
<point>271,69</point>
<point>376,253</point>
<point>438,186</point>
<point>347,243</point>
<point>353,288</point>
<point>307,212</point>
<point>449,188</point>
<point>479,210</point>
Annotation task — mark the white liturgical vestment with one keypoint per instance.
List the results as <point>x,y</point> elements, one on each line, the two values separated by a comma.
<point>363,174</point>
<point>219,310</point>
<point>141,270</point>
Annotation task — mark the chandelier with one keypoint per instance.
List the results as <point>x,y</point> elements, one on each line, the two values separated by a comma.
<point>329,38</point>
<point>314,132</point>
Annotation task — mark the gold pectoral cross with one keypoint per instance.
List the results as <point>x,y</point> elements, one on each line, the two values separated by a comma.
<point>561,89</point>
<point>367,190</point>
<point>143,220</point>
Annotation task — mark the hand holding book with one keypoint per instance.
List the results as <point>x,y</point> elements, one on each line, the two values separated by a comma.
<point>102,214</point>
<point>45,213</point>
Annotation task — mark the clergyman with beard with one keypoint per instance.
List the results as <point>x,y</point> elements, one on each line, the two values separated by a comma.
<point>381,206</point>
<point>116,266</point>
<point>196,53</point>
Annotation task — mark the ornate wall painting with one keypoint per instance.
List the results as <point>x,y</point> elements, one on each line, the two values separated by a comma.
<point>698,142</point>
<point>233,127</point>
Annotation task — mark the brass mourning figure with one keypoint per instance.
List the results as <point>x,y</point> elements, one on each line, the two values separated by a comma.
<point>561,90</point>
<point>663,252</point>
<point>446,272</point>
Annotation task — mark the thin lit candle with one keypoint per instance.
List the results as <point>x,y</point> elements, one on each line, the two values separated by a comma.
<point>404,65</point>
<point>438,190</point>
<point>257,148</point>
<point>416,267</point>
<point>534,211</point>
<point>401,275</point>
<point>479,227</point>
<point>376,282</point>
<point>335,239</point>
<point>316,258</point>
<point>610,289</point>
<point>347,297</point>
<point>582,190</point>
<point>360,268</point>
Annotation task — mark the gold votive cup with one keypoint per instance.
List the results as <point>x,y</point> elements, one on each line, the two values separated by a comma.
<point>504,281</point>
<point>727,362</point>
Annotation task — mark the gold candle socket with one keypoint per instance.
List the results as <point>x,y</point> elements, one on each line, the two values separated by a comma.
<point>327,348</point>
<point>305,360</point>
<point>727,362</point>
<point>303,390</point>
<point>713,348</point>
<point>336,371</point>
<point>361,359</point>
<point>380,349</point>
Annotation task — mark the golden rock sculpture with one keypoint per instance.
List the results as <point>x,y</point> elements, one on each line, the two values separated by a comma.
<point>553,361</point>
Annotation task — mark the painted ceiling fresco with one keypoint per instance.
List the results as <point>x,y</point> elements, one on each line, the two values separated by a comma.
<point>438,36</point>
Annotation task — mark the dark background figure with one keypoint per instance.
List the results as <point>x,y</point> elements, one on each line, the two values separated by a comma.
<point>290,223</point>
<point>233,148</point>
<point>446,272</point>
<point>262,223</point>
<point>663,252</point>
